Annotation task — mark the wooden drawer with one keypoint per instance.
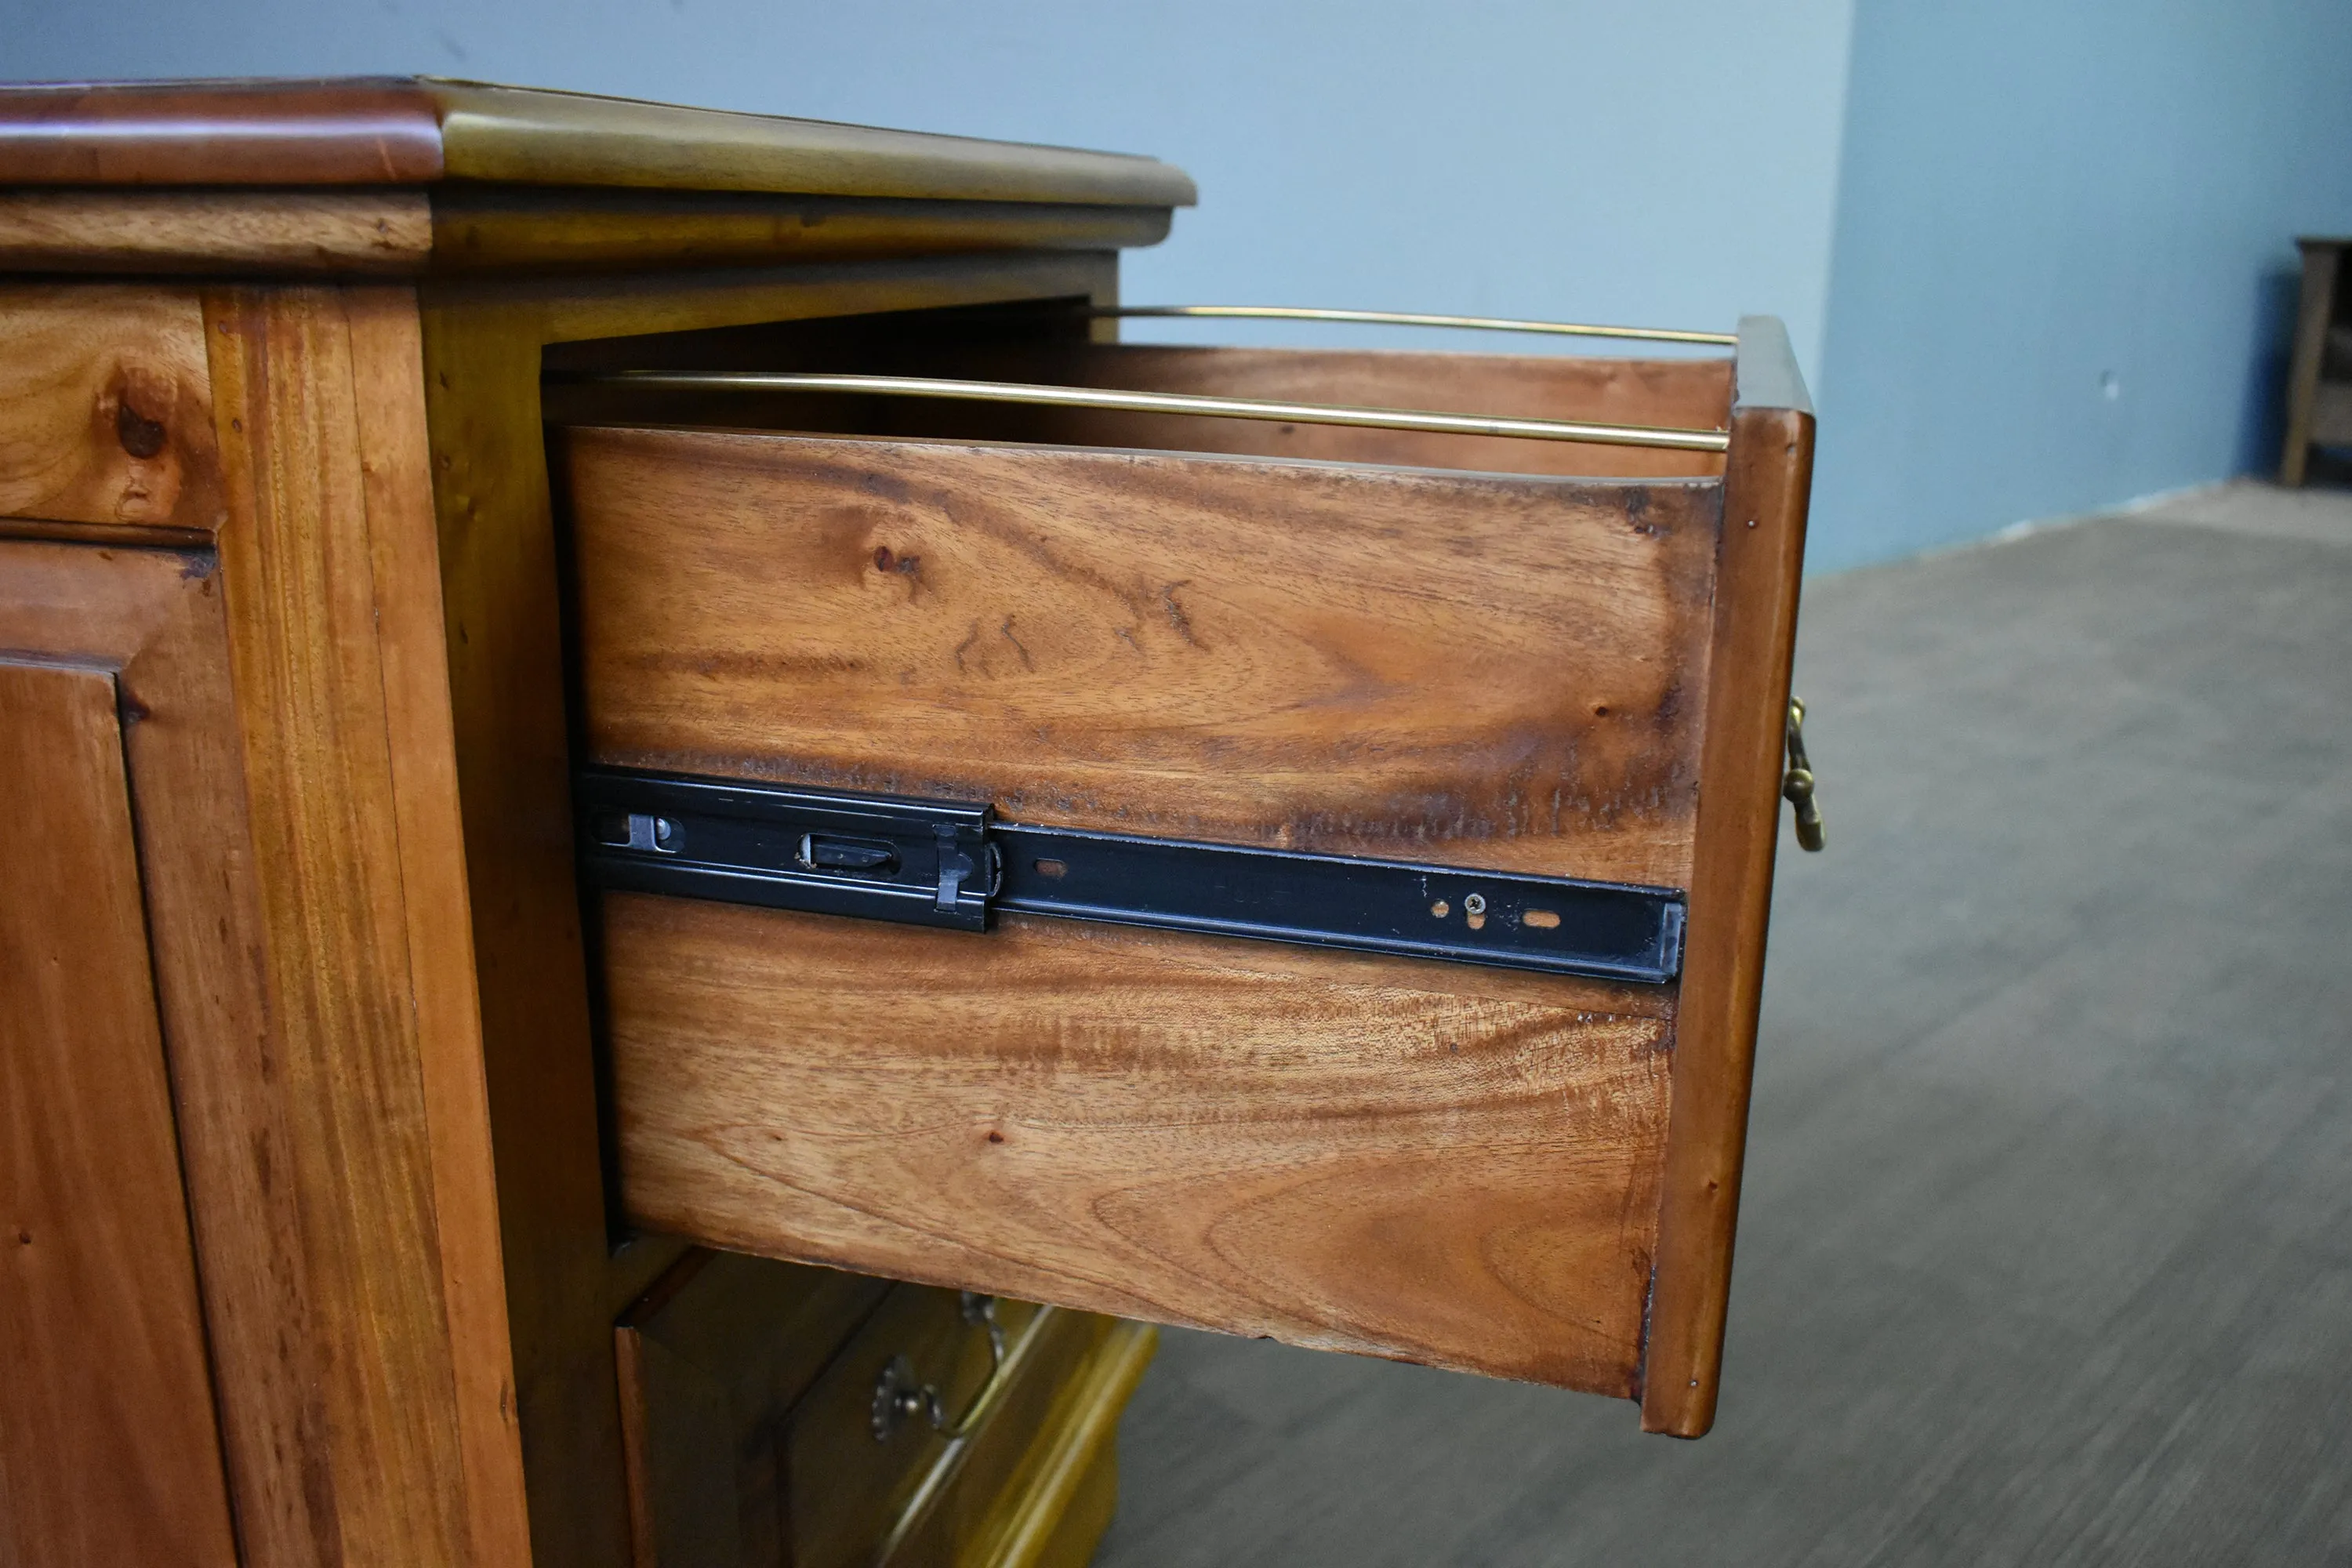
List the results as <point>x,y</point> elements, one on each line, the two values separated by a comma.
<point>1448,651</point>
<point>758,1429</point>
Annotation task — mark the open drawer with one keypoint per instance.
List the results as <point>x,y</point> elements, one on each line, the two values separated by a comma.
<point>1361,837</point>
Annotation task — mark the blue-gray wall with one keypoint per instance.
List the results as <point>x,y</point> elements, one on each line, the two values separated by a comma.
<point>2064,257</point>
<point>1525,157</point>
<point>2047,272</point>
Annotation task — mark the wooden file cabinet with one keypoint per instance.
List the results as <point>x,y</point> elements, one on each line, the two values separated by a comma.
<point>374,1120</point>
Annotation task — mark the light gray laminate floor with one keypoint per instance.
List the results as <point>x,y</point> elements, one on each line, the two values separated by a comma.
<point>2046,1252</point>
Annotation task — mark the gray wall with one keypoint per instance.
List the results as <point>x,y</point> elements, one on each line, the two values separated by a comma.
<point>2064,257</point>
<point>1537,157</point>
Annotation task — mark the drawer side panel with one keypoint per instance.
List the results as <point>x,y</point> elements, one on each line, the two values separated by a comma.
<point>1420,1161</point>
<point>1487,671</point>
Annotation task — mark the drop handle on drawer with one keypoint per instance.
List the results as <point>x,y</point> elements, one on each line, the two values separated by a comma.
<point>899,1397</point>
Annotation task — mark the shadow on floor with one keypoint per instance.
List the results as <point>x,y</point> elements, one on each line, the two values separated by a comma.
<point>2046,1248</point>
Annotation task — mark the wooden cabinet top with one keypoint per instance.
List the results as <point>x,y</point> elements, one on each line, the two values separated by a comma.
<point>415,130</point>
<point>410,174</point>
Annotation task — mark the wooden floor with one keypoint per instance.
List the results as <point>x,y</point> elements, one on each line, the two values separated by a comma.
<point>2047,1247</point>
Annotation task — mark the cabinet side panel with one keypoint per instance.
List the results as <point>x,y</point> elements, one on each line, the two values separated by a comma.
<point>309,676</point>
<point>109,1451</point>
<point>388,365</point>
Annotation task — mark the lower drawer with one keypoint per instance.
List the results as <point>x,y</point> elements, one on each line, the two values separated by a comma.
<point>780,1414</point>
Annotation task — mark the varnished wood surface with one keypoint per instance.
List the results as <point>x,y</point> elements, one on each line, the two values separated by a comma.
<point>1480,671</point>
<point>712,1361</point>
<point>333,696</point>
<point>379,176</point>
<point>369,131</point>
<point>483,343</point>
<point>395,131</point>
<point>1427,1161</point>
<point>403,560</point>
<point>474,228</point>
<point>106,408</point>
<point>156,618</point>
<point>518,136</point>
<point>1767,487</point>
<point>108,1447</point>
<point>333,1287</point>
<point>492,228</point>
<point>209,230</point>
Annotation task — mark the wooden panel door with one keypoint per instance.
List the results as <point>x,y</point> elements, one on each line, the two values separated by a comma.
<point>108,1446</point>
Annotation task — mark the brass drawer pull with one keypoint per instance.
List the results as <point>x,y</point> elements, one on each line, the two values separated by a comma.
<point>1796,784</point>
<point>1416,319</point>
<point>1168,402</point>
<point>899,1397</point>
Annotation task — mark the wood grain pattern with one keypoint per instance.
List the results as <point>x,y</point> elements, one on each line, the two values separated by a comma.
<point>468,228</point>
<point>388,377</point>
<point>1443,1163</point>
<point>712,1361</point>
<point>483,347</point>
<point>340,232</point>
<point>502,647</point>
<point>498,227</point>
<point>381,131</point>
<point>105,407</point>
<point>299,566</point>
<point>109,1451</point>
<point>156,618</point>
<point>1479,671</point>
<point>1767,485</point>
<point>1690,394</point>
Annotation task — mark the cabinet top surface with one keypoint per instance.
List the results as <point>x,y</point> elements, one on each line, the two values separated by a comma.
<point>422,130</point>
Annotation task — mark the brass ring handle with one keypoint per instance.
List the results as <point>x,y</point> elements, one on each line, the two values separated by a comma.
<point>1796,784</point>
<point>896,1389</point>
<point>899,1397</point>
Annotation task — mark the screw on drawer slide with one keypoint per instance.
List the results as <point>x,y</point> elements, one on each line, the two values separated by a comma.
<point>947,863</point>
